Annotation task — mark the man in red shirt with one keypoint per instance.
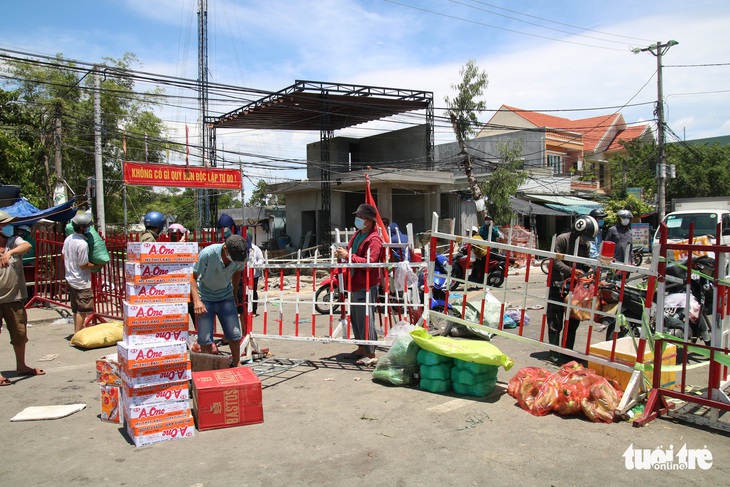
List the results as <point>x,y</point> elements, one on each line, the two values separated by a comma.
<point>365,246</point>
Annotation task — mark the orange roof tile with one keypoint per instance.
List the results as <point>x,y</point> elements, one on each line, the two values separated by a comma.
<point>631,133</point>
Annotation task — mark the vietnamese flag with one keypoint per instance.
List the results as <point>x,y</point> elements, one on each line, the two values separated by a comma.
<point>371,201</point>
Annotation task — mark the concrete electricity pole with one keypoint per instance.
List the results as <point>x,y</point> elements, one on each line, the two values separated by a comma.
<point>98,166</point>
<point>658,50</point>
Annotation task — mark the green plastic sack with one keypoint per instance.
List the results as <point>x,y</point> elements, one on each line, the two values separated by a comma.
<point>475,368</point>
<point>435,385</point>
<point>479,390</point>
<point>468,350</point>
<point>438,371</point>
<point>430,358</point>
<point>98,253</point>
<point>467,378</point>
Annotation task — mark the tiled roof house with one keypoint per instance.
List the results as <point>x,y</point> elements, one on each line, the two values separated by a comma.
<point>577,146</point>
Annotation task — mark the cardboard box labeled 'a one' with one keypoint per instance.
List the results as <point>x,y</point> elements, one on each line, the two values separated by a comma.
<point>227,397</point>
<point>172,429</point>
<point>177,292</point>
<point>137,273</point>
<point>157,374</point>
<point>136,357</point>
<point>162,252</point>
<point>168,336</point>
<point>156,394</point>
<point>154,314</point>
<point>151,413</point>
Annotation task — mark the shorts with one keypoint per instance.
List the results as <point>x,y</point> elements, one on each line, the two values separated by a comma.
<point>228,317</point>
<point>82,300</point>
<point>16,320</point>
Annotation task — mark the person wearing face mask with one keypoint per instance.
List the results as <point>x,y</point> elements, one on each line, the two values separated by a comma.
<point>365,246</point>
<point>78,269</point>
<point>585,229</point>
<point>214,293</point>
<point>13,295</point>
<point>177,233</point>
<point>227,226</point>
<point>621,234</point>
<point>598,214</point>
<point>154,223</point>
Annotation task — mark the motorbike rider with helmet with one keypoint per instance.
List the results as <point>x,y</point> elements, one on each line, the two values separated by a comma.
<point>621,234</point>
<point>599,215</point>
<point>154,223</point>
<point>585,229</point>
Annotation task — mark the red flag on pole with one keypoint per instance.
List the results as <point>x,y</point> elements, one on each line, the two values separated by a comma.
<point>371,201</point>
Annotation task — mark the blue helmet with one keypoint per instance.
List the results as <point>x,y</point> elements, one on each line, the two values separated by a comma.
<point>154,219</point>
<point>226,221</point>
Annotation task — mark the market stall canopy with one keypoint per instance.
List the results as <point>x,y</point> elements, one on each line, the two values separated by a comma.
<point>25,212</point>
<point>523,207</point>
<point>566,204</point>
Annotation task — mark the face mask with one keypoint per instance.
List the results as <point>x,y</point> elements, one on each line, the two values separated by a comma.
<point>359,223</point>
<point>625,222</point>
<point>87,231</point>
<point>600,223</point>
<point>227,232</point>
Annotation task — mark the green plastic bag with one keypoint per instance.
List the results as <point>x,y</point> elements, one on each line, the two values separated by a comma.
<point>430,358</point>
<point>435,385</point>
<point>475,368</point>
<point>476,351</point>
<point>467,378</point>
<point>438,371</point>
<point>400,365</point>
<point>98,253</point>
<point>478,390</point>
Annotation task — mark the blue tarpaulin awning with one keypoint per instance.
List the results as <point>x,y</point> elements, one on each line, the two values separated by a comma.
<point>25,213</point>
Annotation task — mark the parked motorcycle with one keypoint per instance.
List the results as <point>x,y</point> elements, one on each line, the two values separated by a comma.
<point>637,256</point>
<point>497,263</point>
<point>702,298</point>
<point>329,291</point>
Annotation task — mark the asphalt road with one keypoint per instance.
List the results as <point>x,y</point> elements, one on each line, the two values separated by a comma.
<point>326,423</point>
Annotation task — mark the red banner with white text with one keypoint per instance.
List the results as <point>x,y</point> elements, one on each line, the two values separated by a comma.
<point>146,174</point>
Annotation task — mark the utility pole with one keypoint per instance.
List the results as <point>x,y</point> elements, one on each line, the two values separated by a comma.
<point>658,50</point>
<point>98,166</point>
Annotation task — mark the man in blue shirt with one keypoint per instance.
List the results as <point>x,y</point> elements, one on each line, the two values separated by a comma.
<point>214,291</point>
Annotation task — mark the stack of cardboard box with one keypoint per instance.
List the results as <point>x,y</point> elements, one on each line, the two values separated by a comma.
<point>153,357</point>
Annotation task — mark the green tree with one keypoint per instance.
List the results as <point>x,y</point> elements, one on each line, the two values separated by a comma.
<point>62,91</point>
<point>262,196</point>
<point>504,181</point>
<point>462,113</point>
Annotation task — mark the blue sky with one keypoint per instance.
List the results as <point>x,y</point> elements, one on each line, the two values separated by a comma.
<point>541,55</point>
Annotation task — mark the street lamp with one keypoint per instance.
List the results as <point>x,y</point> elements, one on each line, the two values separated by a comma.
<point>658,50</point>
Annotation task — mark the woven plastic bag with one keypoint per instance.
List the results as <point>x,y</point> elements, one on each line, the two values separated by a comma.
<point>98,336</point>
<point>476,351</point>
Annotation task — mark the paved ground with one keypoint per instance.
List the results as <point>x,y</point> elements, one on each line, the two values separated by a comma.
<point>327,424</point>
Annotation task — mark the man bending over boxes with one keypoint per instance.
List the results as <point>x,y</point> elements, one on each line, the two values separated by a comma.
<point>213,290</point>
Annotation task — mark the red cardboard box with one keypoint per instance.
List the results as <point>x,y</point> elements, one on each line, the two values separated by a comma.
<point>227,397</point>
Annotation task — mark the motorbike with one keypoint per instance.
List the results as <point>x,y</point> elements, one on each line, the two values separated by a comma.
<point>497,264</point>
<point>609,291</point>
<point>329,291</point>
<point>637,256</point>
<point>701,299</point>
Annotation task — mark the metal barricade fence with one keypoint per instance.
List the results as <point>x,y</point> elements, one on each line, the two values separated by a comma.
<point>305,323</point>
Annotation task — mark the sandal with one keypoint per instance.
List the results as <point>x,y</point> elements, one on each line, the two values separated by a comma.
<point>32,372</point>
<point>367,361</point>
<point>5,382</point>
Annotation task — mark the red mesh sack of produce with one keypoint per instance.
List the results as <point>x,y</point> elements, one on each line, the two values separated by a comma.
<point>544,397</point>
<point>515,384</point>
<point>570,399</point>
<point>602,400</point>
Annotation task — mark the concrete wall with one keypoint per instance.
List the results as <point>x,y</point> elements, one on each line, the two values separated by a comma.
<point>487,148</point>
<point>404,147</point>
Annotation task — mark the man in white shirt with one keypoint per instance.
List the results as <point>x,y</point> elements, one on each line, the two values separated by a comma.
<point>78,270</point>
